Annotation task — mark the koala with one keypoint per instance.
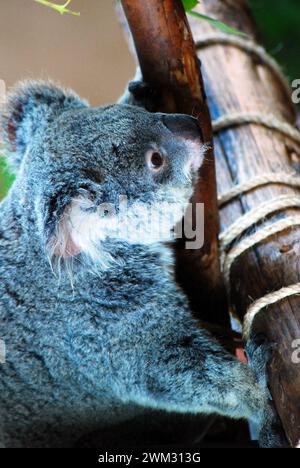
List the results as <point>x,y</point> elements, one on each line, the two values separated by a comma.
<point>95,327</point>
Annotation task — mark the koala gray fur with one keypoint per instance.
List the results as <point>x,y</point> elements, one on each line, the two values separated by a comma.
<point>96,328</point>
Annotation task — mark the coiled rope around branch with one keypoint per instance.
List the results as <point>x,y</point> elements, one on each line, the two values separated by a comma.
<point>268,121</point>
<point>291,180</point>
<point>251,218</point>
<point>248,46</point>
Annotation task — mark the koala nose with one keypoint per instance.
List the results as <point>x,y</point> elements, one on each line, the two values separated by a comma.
<point>183,125</point>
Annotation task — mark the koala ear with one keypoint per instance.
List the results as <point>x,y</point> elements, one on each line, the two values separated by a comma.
<point>27,108</point>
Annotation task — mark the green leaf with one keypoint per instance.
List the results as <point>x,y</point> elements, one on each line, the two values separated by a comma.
<point>188,5</point>
<point>59,8</point>
<point>6,178</point>
<point>218,24</point>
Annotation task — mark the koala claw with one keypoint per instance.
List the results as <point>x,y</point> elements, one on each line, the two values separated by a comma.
<point>259,352</point>
<point>143,94</point>
<point>271,434</point>
<point>138,88</point>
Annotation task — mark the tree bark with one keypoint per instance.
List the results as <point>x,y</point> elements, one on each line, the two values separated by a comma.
<point>235,81</point>
<point>168,62</point>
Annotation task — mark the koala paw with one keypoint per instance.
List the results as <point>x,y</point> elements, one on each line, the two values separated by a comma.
<point>259,353</point>
<point>143,94</point>
<point>271,434</point>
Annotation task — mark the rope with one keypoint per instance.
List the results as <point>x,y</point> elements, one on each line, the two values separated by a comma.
<point>253,216</point>
<point>268,299</point>
<point>256,214</point>
<point>258,181</point>
<point>247,46</point>
<point>246,221</point>
<point>250,218</point>
<point>241,118</point>
<point>255,239</point>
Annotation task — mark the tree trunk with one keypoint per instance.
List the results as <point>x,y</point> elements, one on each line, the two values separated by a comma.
<point>168,62</point>
<point>236,81</point>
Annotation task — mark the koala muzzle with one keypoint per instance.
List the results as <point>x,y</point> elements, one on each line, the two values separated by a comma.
<point>182,125</point>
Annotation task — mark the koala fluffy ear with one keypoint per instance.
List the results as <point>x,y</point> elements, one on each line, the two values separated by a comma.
<point>30,105</point>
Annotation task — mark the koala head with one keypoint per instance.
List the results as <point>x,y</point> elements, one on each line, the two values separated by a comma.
<point>93,174</point>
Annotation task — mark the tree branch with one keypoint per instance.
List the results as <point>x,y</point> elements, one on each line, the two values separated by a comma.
<point>238,82</point>
<point>168,62</point>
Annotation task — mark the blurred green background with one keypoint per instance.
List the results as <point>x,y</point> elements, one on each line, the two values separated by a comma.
<point>278,23</point>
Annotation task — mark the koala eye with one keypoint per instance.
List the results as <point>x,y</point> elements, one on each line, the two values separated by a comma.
<point>155,160</point>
